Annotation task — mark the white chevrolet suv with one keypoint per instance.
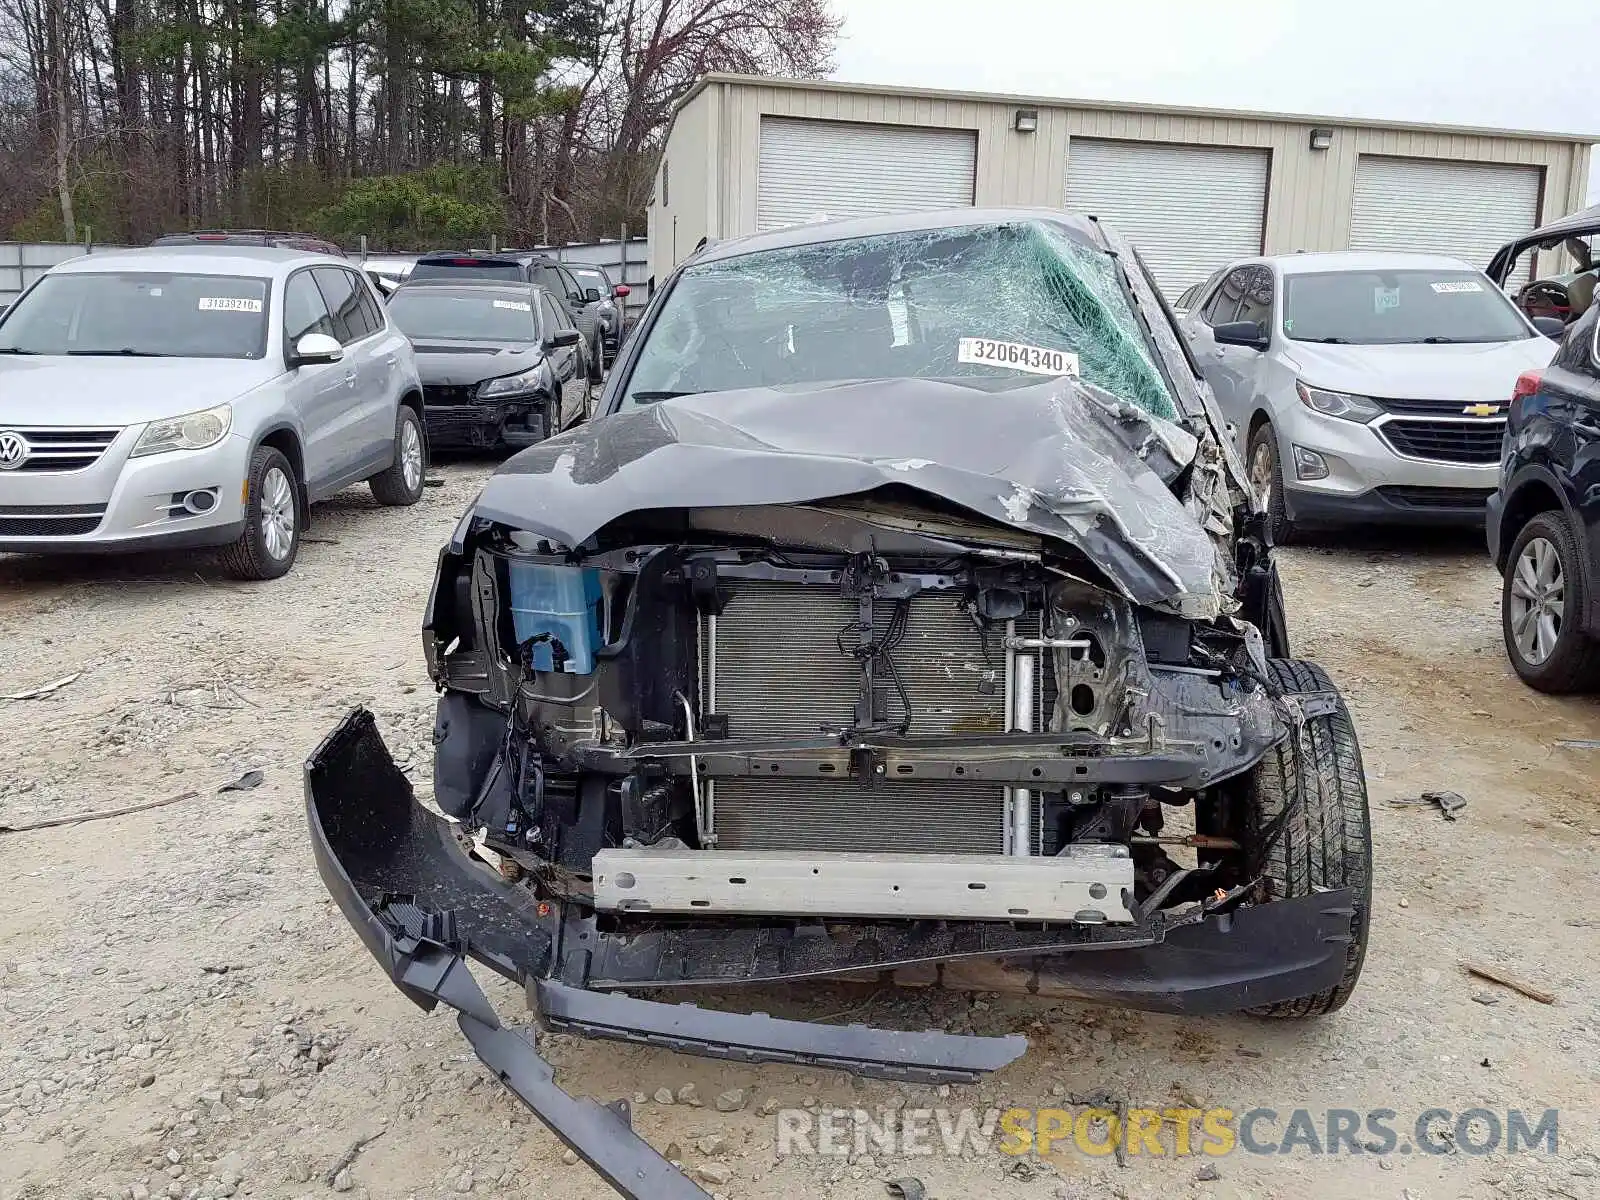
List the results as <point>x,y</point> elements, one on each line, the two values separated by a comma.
<point>1365,388</point>
<point>200,397</point>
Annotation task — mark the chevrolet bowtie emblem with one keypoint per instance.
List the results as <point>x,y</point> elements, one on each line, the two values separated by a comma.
<point>1481,410</point>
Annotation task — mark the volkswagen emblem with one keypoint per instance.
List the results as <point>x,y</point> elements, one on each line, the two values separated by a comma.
<point>14,450</point>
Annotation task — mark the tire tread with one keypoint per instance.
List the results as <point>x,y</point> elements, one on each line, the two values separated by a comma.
<point>246,558</point>
<point>389,485</point>
<point>1327,840</point>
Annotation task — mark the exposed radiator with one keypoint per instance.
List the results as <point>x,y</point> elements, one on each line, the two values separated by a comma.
<point>927,816</point>
<point>779,672</point>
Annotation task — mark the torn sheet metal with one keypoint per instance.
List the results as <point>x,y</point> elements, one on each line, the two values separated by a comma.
<point>1060,459</point>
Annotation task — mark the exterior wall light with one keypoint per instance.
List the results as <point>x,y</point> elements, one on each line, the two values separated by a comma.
<point>1027,120</point>
<point>1321,139</point>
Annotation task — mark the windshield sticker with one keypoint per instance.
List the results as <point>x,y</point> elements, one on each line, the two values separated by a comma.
<point>514,305</point>
<point>1453,286</point>
<point>1384,299</point>
<point>1037,360</point>
<point>229,304</point>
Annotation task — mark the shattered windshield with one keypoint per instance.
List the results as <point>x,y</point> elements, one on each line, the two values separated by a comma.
<point>1008,303</point>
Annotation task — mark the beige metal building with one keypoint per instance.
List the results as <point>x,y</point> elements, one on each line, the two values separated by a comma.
<point>1190,187</point>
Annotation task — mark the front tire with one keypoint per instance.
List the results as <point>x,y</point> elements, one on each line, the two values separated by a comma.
<point>271,539</point>
<point>1325,842</point>
<point>1542,600</point>
<point>1266,475</point>
<point>401,483</point>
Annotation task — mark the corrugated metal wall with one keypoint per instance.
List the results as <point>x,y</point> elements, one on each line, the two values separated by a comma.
<point>1309,191</point>
<point>683,207</point>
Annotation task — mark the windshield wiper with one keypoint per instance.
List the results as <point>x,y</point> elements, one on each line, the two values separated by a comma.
<point>16,350</point>
<point>1331,341</point>
<point>1436,339</point>
<point>647,397</point>
<point>124,352</point>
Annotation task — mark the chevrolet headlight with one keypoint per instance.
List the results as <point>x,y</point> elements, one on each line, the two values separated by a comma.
<point>510,385</point>
<point>193,431</point>
<point>1336,404</point>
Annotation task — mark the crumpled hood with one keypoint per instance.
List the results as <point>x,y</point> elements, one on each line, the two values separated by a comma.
<point>1469,372</point>
<point>449,364</point>
<point>1058,459</point>
<point>60,390</point>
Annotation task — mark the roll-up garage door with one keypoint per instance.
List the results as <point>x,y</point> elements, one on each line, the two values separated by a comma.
<point>822,170</point>
<point>1469,210</point>
<point>1188,209</point>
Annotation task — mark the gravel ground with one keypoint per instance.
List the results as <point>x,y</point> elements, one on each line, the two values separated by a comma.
<point>187,1015</point>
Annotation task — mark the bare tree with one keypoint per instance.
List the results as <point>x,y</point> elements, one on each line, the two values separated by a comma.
<point>531,118</point>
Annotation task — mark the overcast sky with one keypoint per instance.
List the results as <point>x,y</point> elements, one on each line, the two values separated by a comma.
<point>1531,65</point>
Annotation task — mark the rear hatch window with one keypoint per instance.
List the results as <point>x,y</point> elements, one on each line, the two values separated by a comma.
<point>467,267</point>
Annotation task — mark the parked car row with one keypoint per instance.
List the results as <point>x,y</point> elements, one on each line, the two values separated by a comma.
<point>204,392</point>
<point>1358,388</point>
<point>202,396</point>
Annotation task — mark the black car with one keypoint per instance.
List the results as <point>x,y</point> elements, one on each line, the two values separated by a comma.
<point>1544,521</point>
<point>608,299</point>
<point>501,364</point>
<point>908,581</point>
<point>527,266</point>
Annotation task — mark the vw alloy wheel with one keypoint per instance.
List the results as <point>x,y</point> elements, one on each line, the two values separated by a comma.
<point>411,454</point>
<point>277,514</point>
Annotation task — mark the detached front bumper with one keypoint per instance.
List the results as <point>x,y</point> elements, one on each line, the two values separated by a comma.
<point>422,907</point>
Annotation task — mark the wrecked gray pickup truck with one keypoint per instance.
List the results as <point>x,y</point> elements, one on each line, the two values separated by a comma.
<point>906,616</point>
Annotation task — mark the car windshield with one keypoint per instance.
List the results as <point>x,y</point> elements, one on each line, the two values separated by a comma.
<point>468,268</point>
<point>591,278</point>
<point>1000,303</point>
<point>140,314</point>
<point>1379,308</point>
<point>464,314</point>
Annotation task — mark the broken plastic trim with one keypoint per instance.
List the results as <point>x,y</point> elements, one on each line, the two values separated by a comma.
<point>425,954</point>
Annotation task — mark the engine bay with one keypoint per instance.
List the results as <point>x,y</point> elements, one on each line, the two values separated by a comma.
<point>894,726</point>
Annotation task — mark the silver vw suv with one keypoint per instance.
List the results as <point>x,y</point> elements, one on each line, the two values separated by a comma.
<point>200,397</point>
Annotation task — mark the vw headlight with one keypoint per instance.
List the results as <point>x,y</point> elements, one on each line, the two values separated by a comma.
<point>1336,404</point>
<point>510,385</point>
<point>193,431</point>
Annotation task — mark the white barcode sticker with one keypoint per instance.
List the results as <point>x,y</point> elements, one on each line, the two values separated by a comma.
<point>1457,285</point>
<point>514,305</point>
<point>229,304</point>
<point>1036,360</point>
